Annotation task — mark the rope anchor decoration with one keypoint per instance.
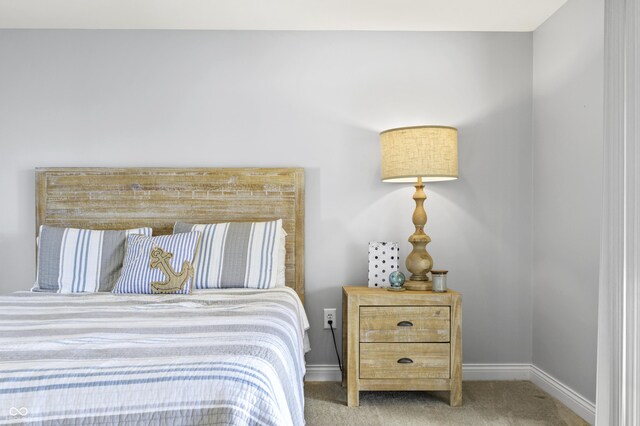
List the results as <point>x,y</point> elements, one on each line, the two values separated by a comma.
<point>175,281</point>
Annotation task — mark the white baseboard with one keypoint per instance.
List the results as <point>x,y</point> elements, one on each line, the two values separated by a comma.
<point>323,373</point>
<point>496,371</point>
<point>572,399</point>
<point>576,402</point>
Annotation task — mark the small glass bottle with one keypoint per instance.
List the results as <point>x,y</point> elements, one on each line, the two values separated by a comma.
<point>439,281</point>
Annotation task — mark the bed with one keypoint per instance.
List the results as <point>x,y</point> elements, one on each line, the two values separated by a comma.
<point>230,356</point>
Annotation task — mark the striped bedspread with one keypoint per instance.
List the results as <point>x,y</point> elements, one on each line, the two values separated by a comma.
<point>215,357</point>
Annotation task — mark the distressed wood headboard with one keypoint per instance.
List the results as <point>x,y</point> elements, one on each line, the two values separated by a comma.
<point>120,198</point>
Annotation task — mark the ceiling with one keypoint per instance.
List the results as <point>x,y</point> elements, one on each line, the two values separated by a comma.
<point>365,15</point>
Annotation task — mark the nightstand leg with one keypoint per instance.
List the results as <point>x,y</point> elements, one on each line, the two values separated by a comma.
<point>455,396</point>
<point>353,397</point>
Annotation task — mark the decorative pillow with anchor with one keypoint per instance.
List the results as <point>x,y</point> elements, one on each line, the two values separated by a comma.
<point>162,264</point>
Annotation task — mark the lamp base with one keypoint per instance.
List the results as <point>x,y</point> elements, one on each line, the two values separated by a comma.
<point>418,285</point>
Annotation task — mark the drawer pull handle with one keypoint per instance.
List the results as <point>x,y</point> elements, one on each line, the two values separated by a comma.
<point>405,324</point>
<point>405,361</point>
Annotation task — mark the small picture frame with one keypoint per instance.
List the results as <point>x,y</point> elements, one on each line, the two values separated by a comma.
<point>383,260</point>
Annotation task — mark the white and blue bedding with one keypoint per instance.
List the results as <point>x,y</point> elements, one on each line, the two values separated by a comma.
<point>232,357</point>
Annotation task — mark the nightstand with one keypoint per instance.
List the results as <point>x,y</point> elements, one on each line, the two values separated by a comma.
<point>409,340</point>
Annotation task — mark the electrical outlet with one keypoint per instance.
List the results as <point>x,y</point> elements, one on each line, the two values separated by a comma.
<point>329,315</point>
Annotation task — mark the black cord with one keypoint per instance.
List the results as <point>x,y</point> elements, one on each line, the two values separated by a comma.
<point>335,345</point>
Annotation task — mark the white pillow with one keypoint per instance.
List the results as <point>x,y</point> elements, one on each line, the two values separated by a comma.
<point>282,255</point>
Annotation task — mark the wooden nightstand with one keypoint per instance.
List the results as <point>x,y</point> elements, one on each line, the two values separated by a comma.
<point>410,340</point>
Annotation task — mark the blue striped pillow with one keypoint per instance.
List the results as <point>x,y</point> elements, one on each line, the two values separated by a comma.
<point>236,254</point>
<point>80,260</point>
<point>154,262</point>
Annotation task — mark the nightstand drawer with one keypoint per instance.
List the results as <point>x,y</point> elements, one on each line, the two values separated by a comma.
<point>404,324</point>
<point>404,361</point>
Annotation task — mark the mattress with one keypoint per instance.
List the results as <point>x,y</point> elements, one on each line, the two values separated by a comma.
<point>232,357</point>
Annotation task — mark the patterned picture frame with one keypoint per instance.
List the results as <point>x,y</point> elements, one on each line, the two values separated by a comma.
<point>383,260</point>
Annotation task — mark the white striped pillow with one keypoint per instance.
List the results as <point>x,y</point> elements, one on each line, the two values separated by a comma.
<point>237,254</point>
<point>138,273</point>
<point>80,260</point>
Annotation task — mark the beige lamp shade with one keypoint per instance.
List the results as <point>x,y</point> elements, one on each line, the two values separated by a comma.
<point>430,152</point>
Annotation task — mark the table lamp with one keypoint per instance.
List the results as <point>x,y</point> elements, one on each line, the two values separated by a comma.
<point>417,155</point>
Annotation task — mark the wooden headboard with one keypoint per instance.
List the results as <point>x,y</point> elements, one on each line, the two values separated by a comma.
<point>120,198</point>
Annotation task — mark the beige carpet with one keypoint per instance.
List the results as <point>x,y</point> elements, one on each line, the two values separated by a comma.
<point>484,403</point>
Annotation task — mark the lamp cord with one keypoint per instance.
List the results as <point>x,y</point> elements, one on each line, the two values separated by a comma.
<point>335,345</point>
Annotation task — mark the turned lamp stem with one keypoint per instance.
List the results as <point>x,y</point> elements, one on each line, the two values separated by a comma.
<point>419,261</point>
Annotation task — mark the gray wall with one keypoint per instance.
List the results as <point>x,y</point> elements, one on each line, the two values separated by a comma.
<point>567,174</point>
<point>315,100</point>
